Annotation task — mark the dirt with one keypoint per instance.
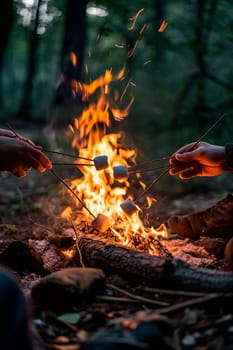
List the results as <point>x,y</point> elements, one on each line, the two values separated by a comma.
<point>30,208</point>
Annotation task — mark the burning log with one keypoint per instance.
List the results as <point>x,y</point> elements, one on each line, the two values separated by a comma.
<point>158,270</point>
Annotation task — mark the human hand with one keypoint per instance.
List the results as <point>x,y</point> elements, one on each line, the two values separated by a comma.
<point>18,156</point>
<point>201,159</point>
<point>9,133</point>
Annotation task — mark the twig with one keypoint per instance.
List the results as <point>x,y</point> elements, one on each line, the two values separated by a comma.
<point>149,169</point>
<point>188,303</point>
<point>66,154</point>
<point>76,164</point>
<point>51,151</point>
<point>137,297</point>
<point>74,194</point>
<point>152,184</point>
<point>174,292</point>
<point>149,162</point>
<point>16,135</point>
<point>117,299</point>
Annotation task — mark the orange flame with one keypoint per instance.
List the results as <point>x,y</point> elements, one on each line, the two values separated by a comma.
<point>99,190</point>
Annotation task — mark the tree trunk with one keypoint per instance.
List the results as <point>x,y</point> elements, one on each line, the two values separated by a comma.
<point>159,16</point>
<point>6,22</point>
<point>203,25</point>
<point>73,47</point>
<point>26,101</point>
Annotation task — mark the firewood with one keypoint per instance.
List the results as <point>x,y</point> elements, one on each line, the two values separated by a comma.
<point>168,272</point>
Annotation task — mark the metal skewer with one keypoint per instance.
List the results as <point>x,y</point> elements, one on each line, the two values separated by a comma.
<point>74,164</point>
<point>73,193</point>
<point>67,154</point>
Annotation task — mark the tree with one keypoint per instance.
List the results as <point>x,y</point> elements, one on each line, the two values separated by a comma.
<point>25,106</point>
<point>72,52</point>
<point>6,22</point>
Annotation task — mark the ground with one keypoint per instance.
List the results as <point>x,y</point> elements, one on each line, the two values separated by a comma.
<point>30,209</point>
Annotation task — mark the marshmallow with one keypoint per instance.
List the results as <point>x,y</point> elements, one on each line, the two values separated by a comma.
<point>120,173</point>
<point>101,223</point>
<point>129,207</point>
<point>101,162</point>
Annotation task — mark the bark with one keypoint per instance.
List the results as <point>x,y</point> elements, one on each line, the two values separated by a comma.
<point>112,257</point>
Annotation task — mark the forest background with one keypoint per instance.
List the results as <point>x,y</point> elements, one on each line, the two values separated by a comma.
<point>180,77</point>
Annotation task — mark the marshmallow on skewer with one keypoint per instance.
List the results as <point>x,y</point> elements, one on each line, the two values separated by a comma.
<point>101,223</point>
<point>101,162</point>
<point>129,207</point>
<point>120,173</point>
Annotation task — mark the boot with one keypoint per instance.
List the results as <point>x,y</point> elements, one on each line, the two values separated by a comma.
<point>213,222</point>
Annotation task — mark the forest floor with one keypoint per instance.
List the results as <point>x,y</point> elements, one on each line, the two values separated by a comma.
<point>30,209</point>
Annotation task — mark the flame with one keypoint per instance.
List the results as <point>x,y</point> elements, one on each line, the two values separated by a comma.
<point>98,189</point>
<point>67,213</point>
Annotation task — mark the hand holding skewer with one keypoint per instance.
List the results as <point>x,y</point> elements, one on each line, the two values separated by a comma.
<point>204,160</point>
<point>191,169</point>
<point>19,154</point>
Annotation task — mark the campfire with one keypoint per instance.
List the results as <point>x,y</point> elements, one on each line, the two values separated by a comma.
<point>102,191</point>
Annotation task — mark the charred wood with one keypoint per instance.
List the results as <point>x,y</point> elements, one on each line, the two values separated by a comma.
<point>169,272</point>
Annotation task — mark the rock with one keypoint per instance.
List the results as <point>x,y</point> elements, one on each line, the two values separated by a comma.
<point>20,257</point>
<point>68,287</point>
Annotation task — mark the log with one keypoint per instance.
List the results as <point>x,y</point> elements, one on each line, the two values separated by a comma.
<point>169,272</point>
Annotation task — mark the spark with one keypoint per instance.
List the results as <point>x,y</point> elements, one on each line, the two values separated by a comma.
<point>162,27</point>
<point>73,59</point>
<point>119,46</point>
<point>131,52</point>
<point>134,19</point>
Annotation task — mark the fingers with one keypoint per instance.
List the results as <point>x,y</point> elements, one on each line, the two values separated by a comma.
<point>38,160</point>
<point>19,171</point>
<point>30,157</point>
<point>189,173</point>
